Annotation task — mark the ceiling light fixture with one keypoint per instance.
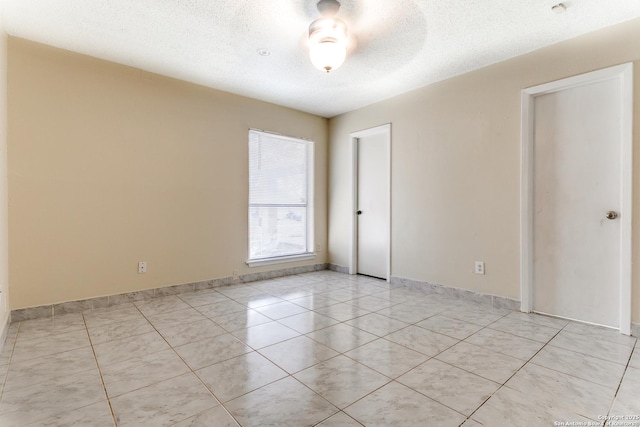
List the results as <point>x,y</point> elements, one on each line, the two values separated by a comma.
<point>327,38</point>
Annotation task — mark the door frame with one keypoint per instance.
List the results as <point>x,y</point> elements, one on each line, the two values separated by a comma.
<point>625,73</point>
<point>353,246</point>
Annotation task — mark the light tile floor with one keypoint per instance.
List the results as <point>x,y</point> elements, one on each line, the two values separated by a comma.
<point>321,349</point>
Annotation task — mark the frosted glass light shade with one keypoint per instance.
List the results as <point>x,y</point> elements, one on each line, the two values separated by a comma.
<point>327,43</point>
<point>327,56</point>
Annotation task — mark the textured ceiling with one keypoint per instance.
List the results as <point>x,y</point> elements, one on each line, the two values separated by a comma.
<point>397,45</point>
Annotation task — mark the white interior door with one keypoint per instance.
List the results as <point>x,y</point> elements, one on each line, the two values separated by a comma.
<point>578,137</point>
<point>372,203</point>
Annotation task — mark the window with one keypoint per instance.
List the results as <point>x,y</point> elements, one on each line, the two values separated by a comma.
<point>280,198</point>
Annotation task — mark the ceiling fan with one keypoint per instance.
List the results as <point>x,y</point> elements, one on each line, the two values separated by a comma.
<point>328,38</point>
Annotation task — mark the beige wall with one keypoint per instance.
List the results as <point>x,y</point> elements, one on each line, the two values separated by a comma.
<point>456,165</point>
<point>4,239</point>
<point>109,165</point>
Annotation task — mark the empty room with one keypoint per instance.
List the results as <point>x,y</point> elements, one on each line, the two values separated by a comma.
<point>319,213</point>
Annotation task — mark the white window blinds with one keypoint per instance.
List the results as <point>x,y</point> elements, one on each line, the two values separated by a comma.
<point>279,192</point>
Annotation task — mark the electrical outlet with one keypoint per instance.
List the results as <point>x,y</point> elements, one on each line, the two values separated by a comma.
<point>235,273</point>
<point>479,267</point>
<point>318,248</point>
<point>142,267</point>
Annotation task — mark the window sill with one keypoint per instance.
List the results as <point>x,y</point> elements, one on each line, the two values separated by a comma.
<point>280,259</point>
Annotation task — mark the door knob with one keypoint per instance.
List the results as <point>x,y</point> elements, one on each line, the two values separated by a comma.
<point>359,212</point>
<point>611,215</point>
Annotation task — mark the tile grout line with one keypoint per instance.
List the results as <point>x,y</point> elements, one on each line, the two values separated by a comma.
<point>139,388</point>
<point>291,375</point>
<point>85,326</point>
<point>6,375</point>
<point>394,380</point>
<point>220,403</point>
<point>339,353</point>
<point>468,417</point>
<point>528,362</point>
<point>317,394</point>
<point>185,363</point>
<point>464,341</point>
<point>512,375</point>
<point>339,412</point>
<point>586,354</point>
<point>626,368</point>
<point>104,386</point>
<point>430,358</point>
